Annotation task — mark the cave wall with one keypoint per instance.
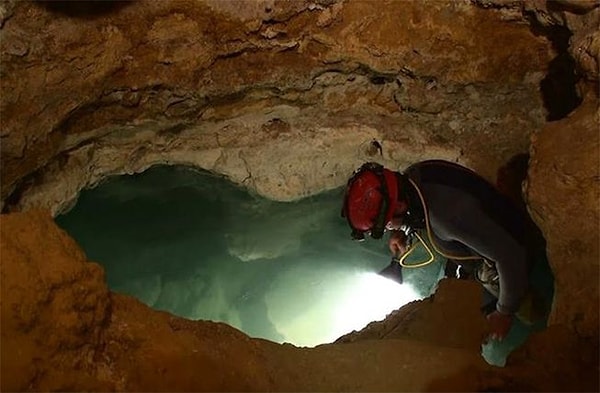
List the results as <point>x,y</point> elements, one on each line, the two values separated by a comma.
<point>264,92</point>
<point>569,214</point>
<point>286,98</point>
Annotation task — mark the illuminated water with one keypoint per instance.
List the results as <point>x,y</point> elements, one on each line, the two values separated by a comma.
<point>200,247</point>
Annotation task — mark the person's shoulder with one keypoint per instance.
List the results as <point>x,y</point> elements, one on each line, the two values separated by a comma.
<point>438,167</point>
<point>434,164</point>
<point>439,163</point>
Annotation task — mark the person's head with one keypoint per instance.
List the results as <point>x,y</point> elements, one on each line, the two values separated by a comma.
<point>372,203</point>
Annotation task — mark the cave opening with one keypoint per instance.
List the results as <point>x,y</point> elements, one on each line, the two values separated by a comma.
<point>196,245</point>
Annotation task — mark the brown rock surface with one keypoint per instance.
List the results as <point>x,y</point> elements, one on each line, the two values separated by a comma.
<point>564,195</point>
<point>286,98</point>
<point>117,89</point>
<point>55,305</point>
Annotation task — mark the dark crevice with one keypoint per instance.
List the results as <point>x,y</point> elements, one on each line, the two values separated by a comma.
<point>381,80</point>
<point>559,87</point>
<point>12,200</point>
<point>510,178</point>
<point>30,181</point>
<point>85,9</point>
<point>375,77</point>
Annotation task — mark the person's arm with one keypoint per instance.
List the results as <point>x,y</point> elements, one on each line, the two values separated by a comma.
<point>500,324</point>
<point>478,232</point>
<point>485,237</point>
<point>457,216</point>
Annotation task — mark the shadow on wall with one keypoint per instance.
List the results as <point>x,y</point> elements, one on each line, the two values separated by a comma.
<point>510,177</point>
<point>84,9</point>
<point>559,86</point>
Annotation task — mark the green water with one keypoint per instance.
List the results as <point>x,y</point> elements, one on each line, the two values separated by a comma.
<point>200,247</point>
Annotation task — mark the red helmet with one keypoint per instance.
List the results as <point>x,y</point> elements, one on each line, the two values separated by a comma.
<point>370,200</point>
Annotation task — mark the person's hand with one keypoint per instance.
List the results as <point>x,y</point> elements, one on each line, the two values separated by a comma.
<point>397,243</point>
<point>499,324</point>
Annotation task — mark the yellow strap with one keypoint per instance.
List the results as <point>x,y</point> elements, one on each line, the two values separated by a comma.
<point>431,256</point>
<point>411,249</point>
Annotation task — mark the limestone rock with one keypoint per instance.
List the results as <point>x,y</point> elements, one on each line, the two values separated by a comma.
<point>117,88</point>
<point>54,306</point>
<point>563,193</point>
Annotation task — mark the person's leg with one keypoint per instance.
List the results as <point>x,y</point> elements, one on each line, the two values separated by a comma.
<point>486,274</point>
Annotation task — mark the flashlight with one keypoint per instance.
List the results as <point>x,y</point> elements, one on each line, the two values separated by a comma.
<point>393,271</point>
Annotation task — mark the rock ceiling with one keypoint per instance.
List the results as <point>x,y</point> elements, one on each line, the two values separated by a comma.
<point>284,99</point>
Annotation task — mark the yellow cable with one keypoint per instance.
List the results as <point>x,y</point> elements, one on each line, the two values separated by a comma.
<point>411,249</point>
<point>430,237</point>
<point>455,257</point>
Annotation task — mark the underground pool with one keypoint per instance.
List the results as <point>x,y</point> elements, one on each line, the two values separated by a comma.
<point>196,245</point>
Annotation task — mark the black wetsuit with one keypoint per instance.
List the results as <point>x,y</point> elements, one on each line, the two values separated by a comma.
<point>469,217</point>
